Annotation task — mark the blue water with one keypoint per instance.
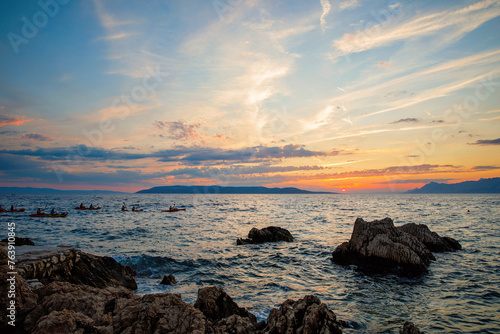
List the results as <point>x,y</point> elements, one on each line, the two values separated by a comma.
<point>460,294</point>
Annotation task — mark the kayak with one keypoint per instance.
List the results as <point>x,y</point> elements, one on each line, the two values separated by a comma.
<point>56,215</point>
<point>15,210</point>
<point>78,208</point>
<point>140,210</point>
<point>173,210</point>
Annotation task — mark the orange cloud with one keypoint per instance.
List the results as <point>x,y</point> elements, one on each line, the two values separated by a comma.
<point>11,119</point>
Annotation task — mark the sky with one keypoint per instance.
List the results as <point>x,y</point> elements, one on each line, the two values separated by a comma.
<point>348,95</point>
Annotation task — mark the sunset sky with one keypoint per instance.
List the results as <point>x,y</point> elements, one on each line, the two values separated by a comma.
<point>358,95</point>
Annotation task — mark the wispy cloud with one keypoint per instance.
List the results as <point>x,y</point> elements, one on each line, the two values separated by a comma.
<point>327,7</point>
<point>349,4</point>
<point>459,22</point>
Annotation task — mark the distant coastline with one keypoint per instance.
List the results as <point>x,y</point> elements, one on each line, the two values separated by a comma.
<point>226,190</point>
<point>32,190</point>
<point>482,186</point>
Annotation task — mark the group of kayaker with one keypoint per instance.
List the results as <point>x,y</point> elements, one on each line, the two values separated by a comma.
<point>3,210</point>
<point>90,207</point>
<point>12,209</point>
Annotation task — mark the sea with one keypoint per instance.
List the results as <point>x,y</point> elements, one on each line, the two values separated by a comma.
<point>460,294</point>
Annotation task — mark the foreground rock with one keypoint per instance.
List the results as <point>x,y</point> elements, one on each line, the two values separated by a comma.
<point>222,313</point>
<point>267,234</point>
<point>430,239</point>
<point>306,315</point>
<point>49,264</point>
<point>68,308</point>
<point>380,246</point>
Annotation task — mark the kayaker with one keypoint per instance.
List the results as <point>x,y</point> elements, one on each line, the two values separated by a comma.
<point>39,211</point>
<point>12,208</point>
<point>1,209</point>
<point>91,206</point>
<point>53,211</point>
<point>82,206</point>
<point>124,208</point>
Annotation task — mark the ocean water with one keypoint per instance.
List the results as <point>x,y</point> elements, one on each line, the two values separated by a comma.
<point>460,294</point>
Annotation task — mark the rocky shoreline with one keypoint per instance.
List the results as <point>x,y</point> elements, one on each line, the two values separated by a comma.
<point>65,290</point>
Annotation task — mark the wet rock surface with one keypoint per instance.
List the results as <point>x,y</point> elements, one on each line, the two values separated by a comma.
<point>267,234</point>
<point>168,280</point>
<point>379,246</point>
<point>304,316</point>
<point>430,239</point>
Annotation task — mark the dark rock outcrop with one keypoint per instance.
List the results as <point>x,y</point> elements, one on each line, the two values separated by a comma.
<point>379,246</point>
<point>49,264</point>
<point>216,305</point>
<point>101,271</point>
<point>304,316</point>
<point>168,280</point>
<point>18,241</point>
<point>430,239</point>
<point>409,328</point>
<point>267,234</point>
<point>110,310</point>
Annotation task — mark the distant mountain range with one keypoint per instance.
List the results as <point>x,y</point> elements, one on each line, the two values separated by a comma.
<point>30,190</point>
<point>482,186</point>
<point>225,190</point>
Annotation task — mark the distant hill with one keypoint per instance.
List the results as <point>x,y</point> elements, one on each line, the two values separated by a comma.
<point>225,190</point>
<point>482,186</point>
<point>31,190</point>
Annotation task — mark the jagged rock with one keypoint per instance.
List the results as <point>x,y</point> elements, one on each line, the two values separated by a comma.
<point>158,313</point>
<point>101,272</point>
<point>304,316</point>
<point>379,246</point>
<point>432,240</point>
<point>455,245</point>
<point>110,310</point>
<point>267,234</point>
<point>235,325</point>
<point>169,280</point>
<point>216,304</point>
<point>19,241</point>
<point>89,301</point>
<point>65,322</point>
<point>49,264</point>
<point>409,328</point>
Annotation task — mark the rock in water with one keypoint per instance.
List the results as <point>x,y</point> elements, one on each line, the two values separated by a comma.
<point>409,328</point>
<point>18,241</point>
<point>267,234</point>
<point>430,239</point>
<point>304,316</point>
<point>168,280</point>
<point>379,246</point>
